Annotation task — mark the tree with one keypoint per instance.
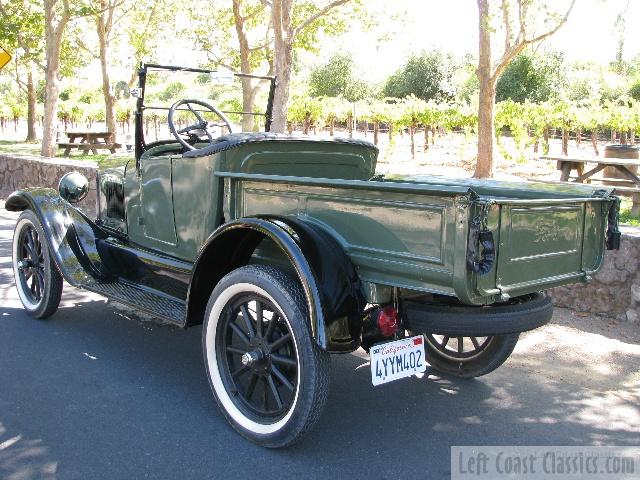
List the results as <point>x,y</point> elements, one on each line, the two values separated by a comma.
<point>146,28</point>
<point>520,23</point>
<point>296,24</point>
<point>336,78</point>
<point>634,91</point>
<point>250,52</point>
<point>428,76</point>
<point>22,28</point>
<point>57,16</point>
<point>532,77</point>
<point>105,18</point>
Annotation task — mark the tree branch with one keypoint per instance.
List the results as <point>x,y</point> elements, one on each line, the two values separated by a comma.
<point>317,15</point>
<point>522,41</point>
<point>561,22</point>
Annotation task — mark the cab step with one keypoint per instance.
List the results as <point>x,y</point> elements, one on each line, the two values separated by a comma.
<point>155,303</point>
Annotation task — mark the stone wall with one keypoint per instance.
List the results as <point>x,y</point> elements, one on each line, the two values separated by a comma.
<point>615,289</point>
<point>21,171</point>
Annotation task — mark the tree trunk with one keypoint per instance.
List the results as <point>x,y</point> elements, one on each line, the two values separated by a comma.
<point>332,127</point>
<point>104,24</point>
<point>565,142</point>
<point>281,97</point>
<point>623,137</point>
<point>545,138</point>
<point>248,90</point>
<point>283,36</point>
<point>487,96</point>
<point>31,109</point>
<point>376,132</point>
<point>413,142</point>
<point>54,28</point>
<point>426,137</point>
<point>594,141</point>
<point>306,123</point>
<point>486,127</point>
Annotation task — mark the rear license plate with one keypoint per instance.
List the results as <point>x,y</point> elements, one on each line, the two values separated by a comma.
<point>398,359</point>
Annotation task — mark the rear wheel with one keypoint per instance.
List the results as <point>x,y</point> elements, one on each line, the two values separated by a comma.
<point>468,357</point>
<point>37,279</point>
<point>267,374</point>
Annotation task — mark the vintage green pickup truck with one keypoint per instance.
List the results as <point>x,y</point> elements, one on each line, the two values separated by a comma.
<point>287,249</point>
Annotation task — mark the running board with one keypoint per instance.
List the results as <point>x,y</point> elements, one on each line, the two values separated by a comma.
<point>160,305</point>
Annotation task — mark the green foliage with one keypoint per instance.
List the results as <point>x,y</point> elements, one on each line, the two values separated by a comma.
<point>428,76</point>
<point>336,78</point>
<point>304,109</point>
<point>536,78</point>
<point>172,91</point>
<point>634,91</point>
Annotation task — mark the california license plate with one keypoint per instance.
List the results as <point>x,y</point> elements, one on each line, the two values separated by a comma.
<point>398,359</point>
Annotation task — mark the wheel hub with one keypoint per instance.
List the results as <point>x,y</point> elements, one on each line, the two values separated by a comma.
<point>26,263</point>
<point>253,358</point>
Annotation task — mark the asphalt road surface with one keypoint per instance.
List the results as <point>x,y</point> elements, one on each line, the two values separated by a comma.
<point>95,394</point>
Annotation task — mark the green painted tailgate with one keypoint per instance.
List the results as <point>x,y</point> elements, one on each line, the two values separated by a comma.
<point>545,243</point>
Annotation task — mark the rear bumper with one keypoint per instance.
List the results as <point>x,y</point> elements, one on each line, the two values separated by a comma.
<point>520,315</point>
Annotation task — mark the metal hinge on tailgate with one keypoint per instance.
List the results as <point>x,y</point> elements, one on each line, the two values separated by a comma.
<point>481,252</point>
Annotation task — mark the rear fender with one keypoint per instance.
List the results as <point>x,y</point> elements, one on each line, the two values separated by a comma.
<point>332,289</point>
<point>70,235</point>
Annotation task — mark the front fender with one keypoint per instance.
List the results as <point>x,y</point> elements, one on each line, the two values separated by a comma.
<point>332,289</point>
<point>70,235</point>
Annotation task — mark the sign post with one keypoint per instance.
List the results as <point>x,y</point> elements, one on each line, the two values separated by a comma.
<point>5,57</point>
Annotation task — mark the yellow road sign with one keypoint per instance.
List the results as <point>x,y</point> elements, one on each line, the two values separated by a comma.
<point>4,57</point>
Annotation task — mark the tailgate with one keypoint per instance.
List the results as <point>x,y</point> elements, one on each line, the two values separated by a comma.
<point>544,243</point>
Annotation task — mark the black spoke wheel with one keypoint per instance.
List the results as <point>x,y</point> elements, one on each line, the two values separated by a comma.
<point>266,372</point>
<point>38,281</point>
<point>468,357</point>
<point>258,357</point>
<point>458,348</point>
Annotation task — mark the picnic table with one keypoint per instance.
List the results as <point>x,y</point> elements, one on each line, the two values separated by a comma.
<point>89,141</point>
<point>629,184</point>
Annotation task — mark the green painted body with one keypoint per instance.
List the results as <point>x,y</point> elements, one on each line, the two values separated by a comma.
<point>404,231</point>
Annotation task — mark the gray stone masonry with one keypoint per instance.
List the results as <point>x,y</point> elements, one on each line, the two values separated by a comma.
<point>21,171</point>
<point>615,289</point>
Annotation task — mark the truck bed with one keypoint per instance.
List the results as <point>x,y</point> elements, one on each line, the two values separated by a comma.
<point>416,232</point>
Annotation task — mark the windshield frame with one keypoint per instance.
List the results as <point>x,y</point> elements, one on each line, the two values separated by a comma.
<point>140,143</point>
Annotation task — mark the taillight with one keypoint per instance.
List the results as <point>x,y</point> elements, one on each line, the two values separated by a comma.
<point>388,321</point>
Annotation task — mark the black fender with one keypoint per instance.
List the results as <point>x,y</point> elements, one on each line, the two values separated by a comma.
<point>70,235</point>
<point>329,279</point>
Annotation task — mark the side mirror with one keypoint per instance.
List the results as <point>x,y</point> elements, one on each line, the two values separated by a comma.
<point>73,187</point>
<point>121,90</point>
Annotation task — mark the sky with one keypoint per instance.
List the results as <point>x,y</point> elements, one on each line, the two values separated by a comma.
<point>452,25</point>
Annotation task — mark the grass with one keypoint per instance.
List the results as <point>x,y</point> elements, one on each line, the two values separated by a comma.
<point>625,213</point>
<point>34,149</point>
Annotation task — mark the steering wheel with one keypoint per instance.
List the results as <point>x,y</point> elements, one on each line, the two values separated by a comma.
<point>201,127</point>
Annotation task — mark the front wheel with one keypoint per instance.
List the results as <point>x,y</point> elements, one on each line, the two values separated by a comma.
<point>37,279</point>
<point>468,357</point>
<point>267,374</point>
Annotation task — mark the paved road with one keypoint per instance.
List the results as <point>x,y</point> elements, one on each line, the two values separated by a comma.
<point>93,394</point>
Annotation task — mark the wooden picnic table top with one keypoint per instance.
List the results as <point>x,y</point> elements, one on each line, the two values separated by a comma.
<point>88,133</point>
<point>600,160</point>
